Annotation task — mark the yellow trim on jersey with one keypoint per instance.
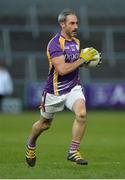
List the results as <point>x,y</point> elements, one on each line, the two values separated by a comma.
<point>62,43</point>
<point>77,41</point>
<point>55,86</point>
<point>49,59</point>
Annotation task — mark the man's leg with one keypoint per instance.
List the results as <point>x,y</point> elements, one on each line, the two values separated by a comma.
<point>78,130</point>
<point>79,124</point>
<point>37,128</point>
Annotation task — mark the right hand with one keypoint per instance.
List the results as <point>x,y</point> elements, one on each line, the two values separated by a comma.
<point>88,54</point>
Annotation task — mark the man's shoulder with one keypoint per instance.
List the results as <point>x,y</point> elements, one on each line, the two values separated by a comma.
<point>54,40</point>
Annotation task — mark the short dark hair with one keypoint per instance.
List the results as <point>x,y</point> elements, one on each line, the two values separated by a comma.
<point>63,15</point>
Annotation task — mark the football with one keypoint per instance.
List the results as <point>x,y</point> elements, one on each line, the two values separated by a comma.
<point>97,58</point>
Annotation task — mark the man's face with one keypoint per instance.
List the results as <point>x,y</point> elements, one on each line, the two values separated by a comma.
<point>70,26</point>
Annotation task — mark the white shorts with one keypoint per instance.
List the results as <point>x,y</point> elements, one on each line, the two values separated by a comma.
<point>52,104</point>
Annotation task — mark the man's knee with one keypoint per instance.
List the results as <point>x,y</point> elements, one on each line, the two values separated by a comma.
<point>42,125</point>
<point>81,116</point>
<point>46,124</point>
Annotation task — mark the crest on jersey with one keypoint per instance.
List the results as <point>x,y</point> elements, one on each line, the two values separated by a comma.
<point>73,48</point>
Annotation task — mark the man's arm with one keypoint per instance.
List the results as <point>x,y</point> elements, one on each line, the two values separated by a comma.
<point>65,68</point>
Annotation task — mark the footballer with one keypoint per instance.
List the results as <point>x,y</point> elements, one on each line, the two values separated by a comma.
<point>63,88</point>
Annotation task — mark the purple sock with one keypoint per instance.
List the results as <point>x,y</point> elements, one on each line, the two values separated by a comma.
<point>30,143</point>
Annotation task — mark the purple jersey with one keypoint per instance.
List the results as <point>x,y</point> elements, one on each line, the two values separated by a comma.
<point>57,84</point>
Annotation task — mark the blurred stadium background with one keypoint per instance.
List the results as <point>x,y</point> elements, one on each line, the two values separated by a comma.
<point>26,26</point>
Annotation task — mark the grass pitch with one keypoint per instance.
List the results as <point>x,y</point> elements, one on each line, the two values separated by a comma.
<point>103,145</point>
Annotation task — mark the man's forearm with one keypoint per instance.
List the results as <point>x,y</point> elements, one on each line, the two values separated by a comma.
<point>69,67</point>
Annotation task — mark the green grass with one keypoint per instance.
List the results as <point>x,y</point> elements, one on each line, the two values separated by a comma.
<point>103,145</point>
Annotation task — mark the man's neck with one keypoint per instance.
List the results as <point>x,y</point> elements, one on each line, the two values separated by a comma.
<point>63,34</point>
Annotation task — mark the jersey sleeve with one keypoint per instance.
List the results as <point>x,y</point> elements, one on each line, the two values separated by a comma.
<point>54,49</point>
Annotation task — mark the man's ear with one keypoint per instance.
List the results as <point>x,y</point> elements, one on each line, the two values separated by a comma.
<point>62,24</point>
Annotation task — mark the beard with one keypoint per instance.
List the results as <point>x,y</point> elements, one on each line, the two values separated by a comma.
<point>71,33</point>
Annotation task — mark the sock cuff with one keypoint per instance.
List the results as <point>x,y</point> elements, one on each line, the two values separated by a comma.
<point>75,142</point>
